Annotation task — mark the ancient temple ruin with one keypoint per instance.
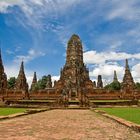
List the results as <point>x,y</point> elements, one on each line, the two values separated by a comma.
<point>74,77</point>
<point>21,82</point>
<point>34,81</point>
<point>128,82</point>
<point>3,76</point>
<point>74,85</point>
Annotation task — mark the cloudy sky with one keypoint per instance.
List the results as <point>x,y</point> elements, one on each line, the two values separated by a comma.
<point>37,31</point>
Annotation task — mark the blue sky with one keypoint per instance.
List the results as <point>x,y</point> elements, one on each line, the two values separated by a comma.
<point>38,31</point>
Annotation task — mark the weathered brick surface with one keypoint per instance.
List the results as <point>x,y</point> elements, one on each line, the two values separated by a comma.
<point>65,124</point>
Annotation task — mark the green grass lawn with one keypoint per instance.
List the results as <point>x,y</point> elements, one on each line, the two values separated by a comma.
<point>8,111</point>
<point>130,114</point>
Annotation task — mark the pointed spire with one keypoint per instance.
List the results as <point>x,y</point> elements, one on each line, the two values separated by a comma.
<point>99,82</point>
<point>126,64</point>
<point>75,37</point>
<point>22,67</point>
<point>34,82</point>
<point>21,83</point>
<point>115,79</point>
<point>34,78</point>
<point>128,82</point>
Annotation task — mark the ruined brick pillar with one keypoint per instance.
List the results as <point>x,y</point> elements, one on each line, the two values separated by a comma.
<point>94,84</point>
<point>3,76</point>
<point>34,81</point>
<point>128,82</point>
<point>21,82</point>
<point>99,82</point>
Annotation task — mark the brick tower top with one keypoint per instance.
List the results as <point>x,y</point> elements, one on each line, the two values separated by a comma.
<point>115,79</point>
<point>128,82</point>
<point>21,82</point>
<point>74,51</point>
<point>34,78</point>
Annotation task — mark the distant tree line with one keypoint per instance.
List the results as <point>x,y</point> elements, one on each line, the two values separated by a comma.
<point>113,86</point>
<point>117,86</point>
<point>45,82</point>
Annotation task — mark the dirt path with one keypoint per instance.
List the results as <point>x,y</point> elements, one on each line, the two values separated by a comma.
<point>65,125</point>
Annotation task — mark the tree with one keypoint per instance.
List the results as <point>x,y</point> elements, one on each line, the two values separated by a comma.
<point>34,87</point>
<point>11,83</point>
<point>42,83</point>
<point>138,86</point>
<point>113,86</point>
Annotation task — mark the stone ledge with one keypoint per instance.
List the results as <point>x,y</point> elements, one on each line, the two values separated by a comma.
<point>129,124</point>
<point>3,117</point>
<point>32,111</point>
<point>16,115</point>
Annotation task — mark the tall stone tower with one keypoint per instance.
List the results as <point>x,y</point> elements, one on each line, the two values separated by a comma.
<point>3,76</point>
<point>128,82</point>
<point>34,81</point>
<point>74,76</point>
<point>21,82</point>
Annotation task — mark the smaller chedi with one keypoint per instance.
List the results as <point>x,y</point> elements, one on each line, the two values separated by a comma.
<point>44,83</point>
<point>21,82</point>
<point>94,84</point>
<point>128,82</point>
<point>115,85</point>
<point>34,82</point>
<point>115,79</point>
<point>99,82</point>
<point>3,76</point>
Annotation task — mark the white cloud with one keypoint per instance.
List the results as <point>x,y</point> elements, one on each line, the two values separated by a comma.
<point>107,72</point>
<point>128,10</point>
<point>93,57</point>
<point>4,4</point>
<point>55,78</point>
<point>136,72</point>
<point>32,54</point>
<point>36,11</point>
<point>106,62</point>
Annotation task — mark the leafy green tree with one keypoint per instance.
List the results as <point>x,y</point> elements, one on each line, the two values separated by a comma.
<point>113,86</point>
<point>138,86</point>
<point>11,83</point>
<point>34,87</point>
<point>42,83</point>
